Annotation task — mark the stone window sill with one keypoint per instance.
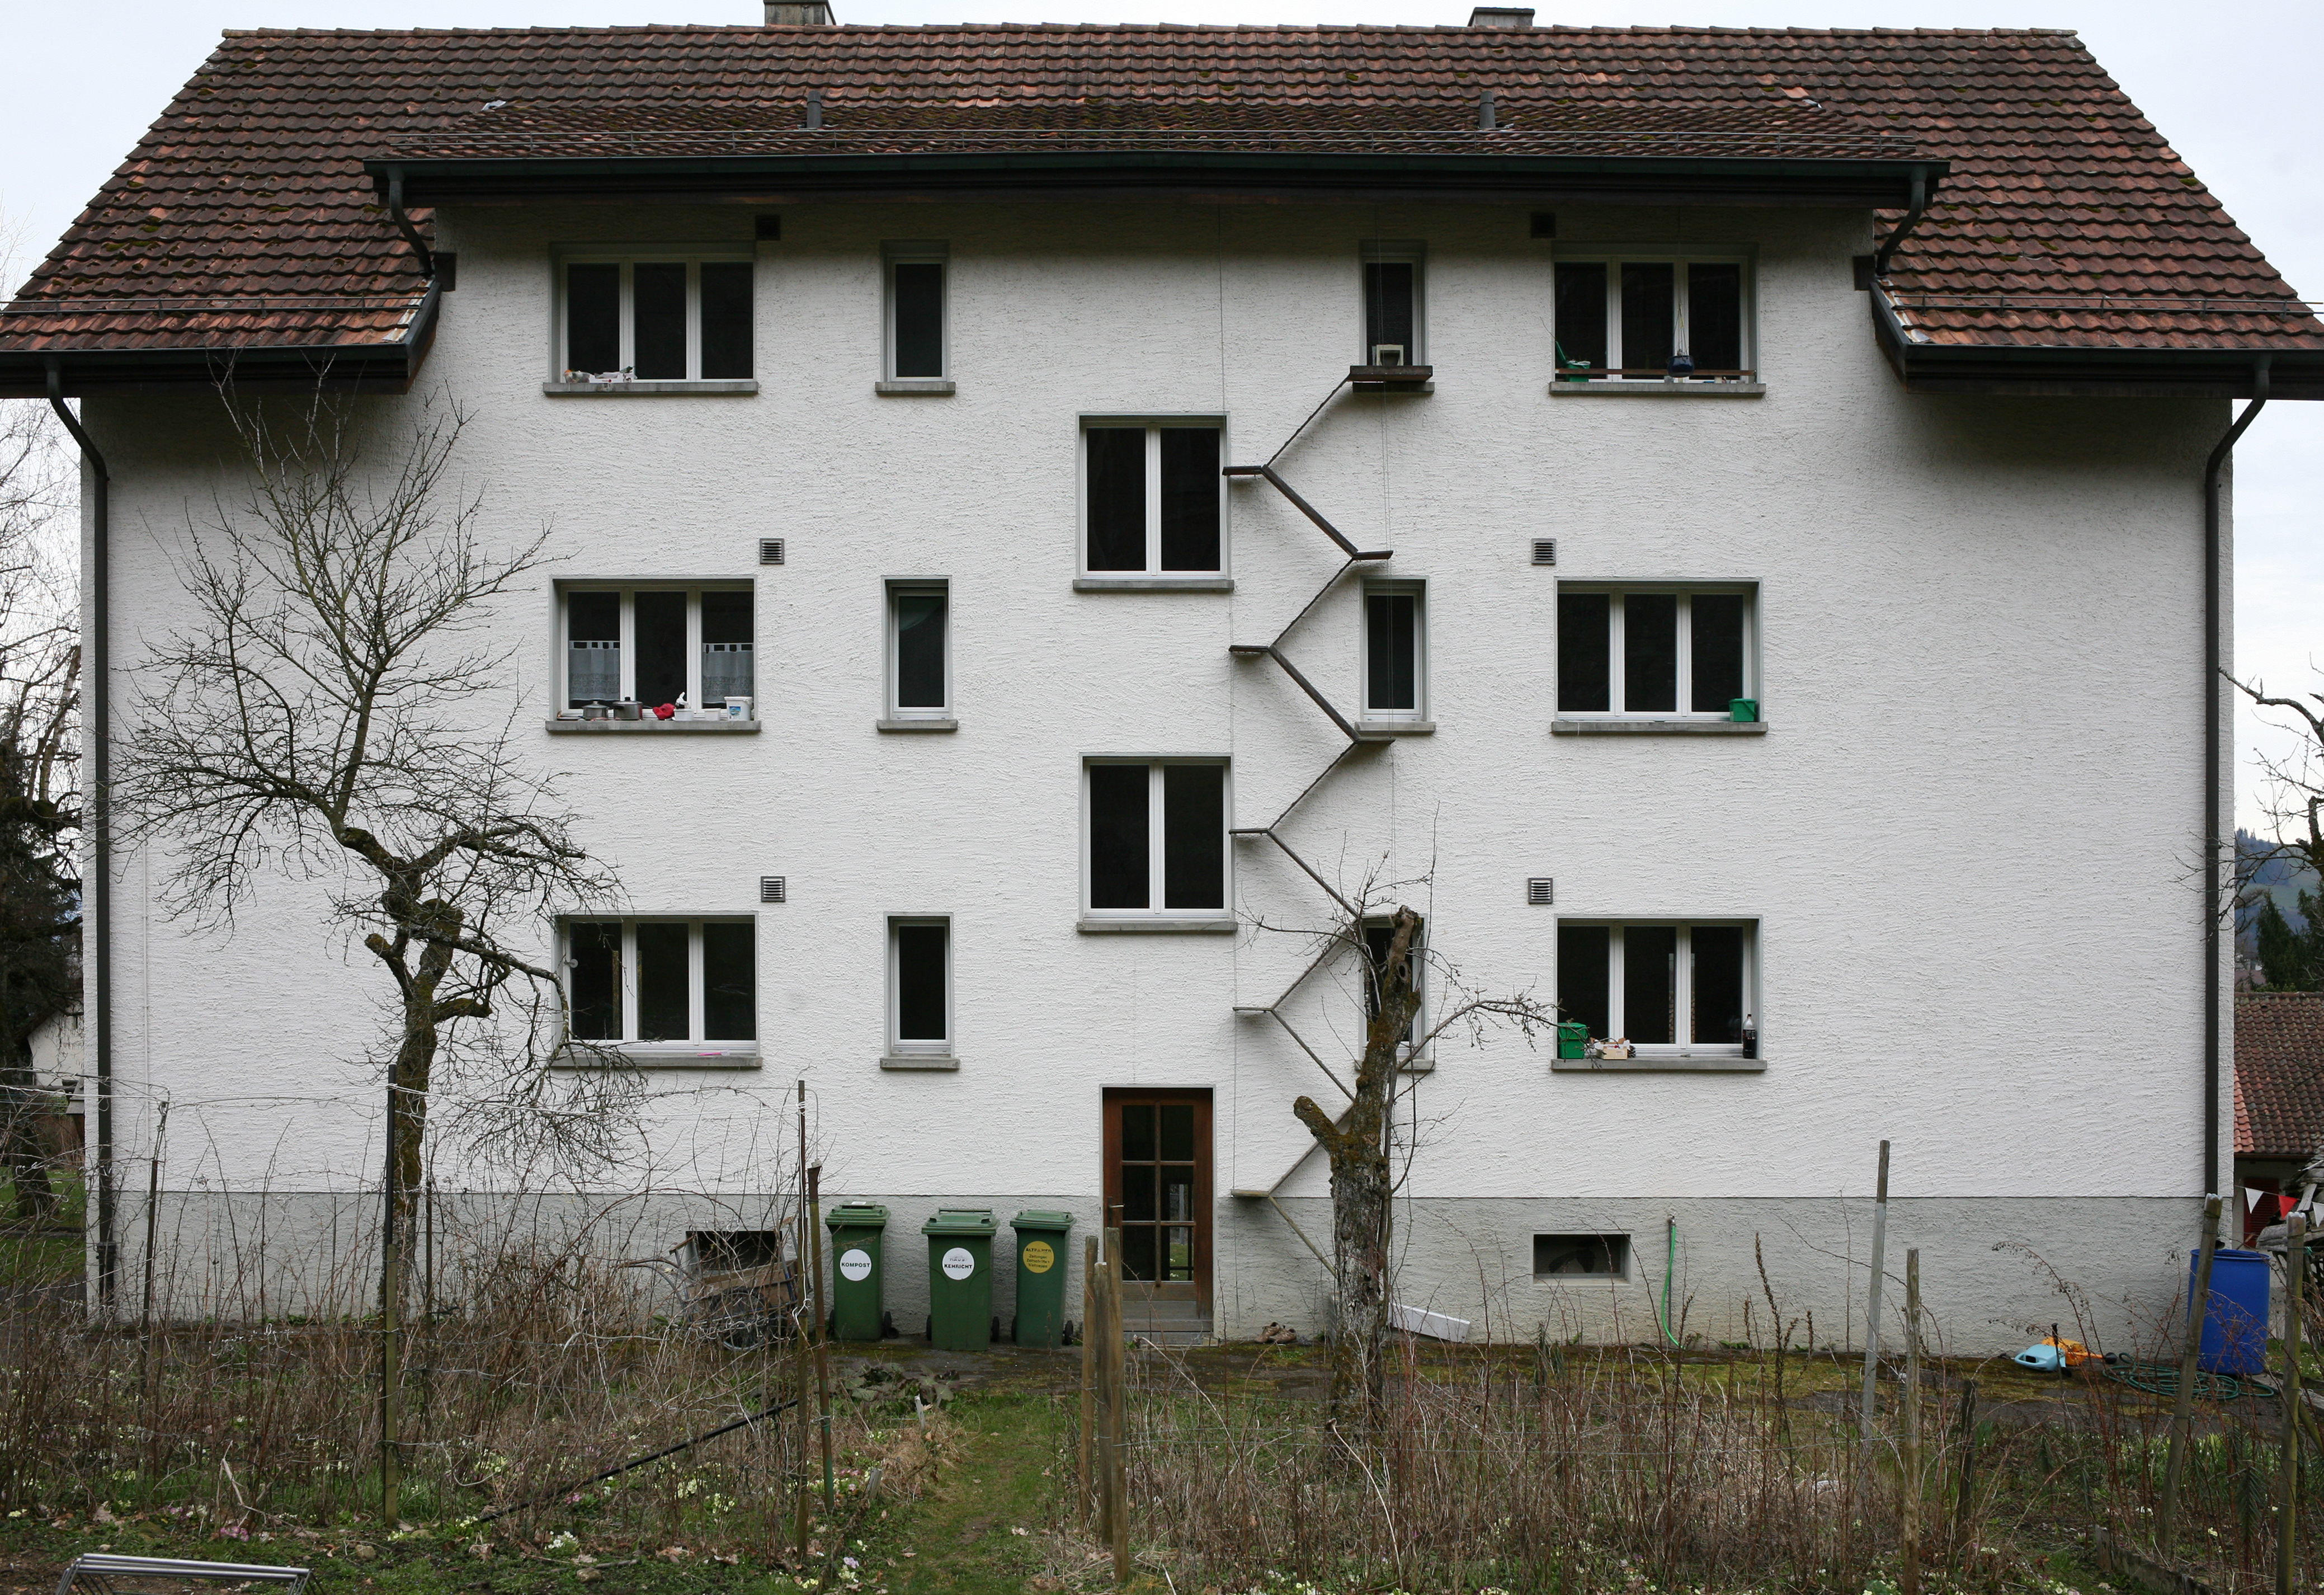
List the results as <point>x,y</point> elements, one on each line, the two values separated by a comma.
<point>729,385</point>
<point>946,724</point>
<point>1649,390</point>
<point>1156,925</point>
<point>1627,725</point>
<point>1664,1064</point>
<point>668,1055</point>
<point>913,384</point>
<point>929,1061</point>
<point>1154,584</point>
<point>1370,728</point>
<point>652,727</point>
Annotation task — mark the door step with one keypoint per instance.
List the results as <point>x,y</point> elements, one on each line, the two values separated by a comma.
<point>1190,1329</point>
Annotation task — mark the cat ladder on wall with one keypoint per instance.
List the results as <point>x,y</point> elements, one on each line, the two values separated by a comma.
<point>1387,379</point>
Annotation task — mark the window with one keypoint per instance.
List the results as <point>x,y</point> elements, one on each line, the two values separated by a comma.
<point>1157,839</point>
<point>919,987</point>
<point>919,675</point>
<point>672,985</point>
<point>1394,645</point>
<point>915,309</point>
<point>659,645</point>
<point>1380,936</point>
<point>1653,650</point>
<point>1392,304</point>
<point>1152,498</point>
<point>1632,317</point>
<point>1668,988</point>
<point>1580,1257</point>
<point>659,318</point>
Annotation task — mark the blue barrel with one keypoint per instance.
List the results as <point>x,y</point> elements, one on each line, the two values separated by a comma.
<point>2234,1324</point>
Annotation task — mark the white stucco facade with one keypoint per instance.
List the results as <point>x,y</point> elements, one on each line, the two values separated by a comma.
<point>1965,840</point>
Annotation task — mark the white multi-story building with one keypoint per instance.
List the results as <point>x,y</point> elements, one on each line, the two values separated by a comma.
<point>1778,502</point>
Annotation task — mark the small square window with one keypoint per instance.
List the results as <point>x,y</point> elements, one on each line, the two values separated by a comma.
<point>1395,652</point>
<point>916,333</point>
<point>660,318</point>
<point>653,985</point>
<point>919,987</point>
<point>1394,324</point>
<point>1580,1257</point>
<point>1153,501</point>
<point>686,647</point>
<point>1157,839</point>
<point>919,649</point>
<point>1628,320</point>
<point>1668,988</point>
<point>1659,651</point>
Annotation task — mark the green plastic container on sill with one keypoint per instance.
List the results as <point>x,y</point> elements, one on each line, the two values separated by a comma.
<point>1573,1039</point>
<point>1743,711</point>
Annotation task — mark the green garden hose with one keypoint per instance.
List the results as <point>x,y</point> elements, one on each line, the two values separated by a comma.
<point>1670,1267</point>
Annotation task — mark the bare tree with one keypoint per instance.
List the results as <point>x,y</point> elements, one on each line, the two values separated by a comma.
<point>2295,781</point>
<point>40,800</point>
<point>1384,939</point>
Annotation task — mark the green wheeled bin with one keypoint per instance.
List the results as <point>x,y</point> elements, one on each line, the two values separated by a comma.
<point>960,1277</point>
<point>857,1229</point>
<point>1041,1276</point>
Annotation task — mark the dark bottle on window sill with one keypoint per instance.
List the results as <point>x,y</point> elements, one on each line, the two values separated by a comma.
<point>1750,1037</point>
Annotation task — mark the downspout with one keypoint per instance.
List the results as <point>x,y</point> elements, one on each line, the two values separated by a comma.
<point>1912,215</point>
<point>98,674</point>
<point>403,223</point>
<point>2213,666</point>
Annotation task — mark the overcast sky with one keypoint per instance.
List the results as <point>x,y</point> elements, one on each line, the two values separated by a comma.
<point>2230,85</point>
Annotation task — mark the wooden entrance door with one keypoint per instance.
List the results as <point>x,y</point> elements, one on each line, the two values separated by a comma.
<point>1157,1189</point>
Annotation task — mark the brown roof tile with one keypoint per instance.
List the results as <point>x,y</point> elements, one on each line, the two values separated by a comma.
<point>2279,1074</point>
<point>2066,220</point>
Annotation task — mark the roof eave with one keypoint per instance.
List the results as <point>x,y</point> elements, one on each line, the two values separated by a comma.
<point>2080,371</point>
<point>247,367</point>
<point>1352,178</point>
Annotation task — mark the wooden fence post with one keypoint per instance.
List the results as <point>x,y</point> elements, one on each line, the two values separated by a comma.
<point>1089,1373</point>
<point>1872,1305</point>
<point>1909,1497</point>
<point>2182,1405</point>
<point>1117,1428</point>
<point>2295,1266</point>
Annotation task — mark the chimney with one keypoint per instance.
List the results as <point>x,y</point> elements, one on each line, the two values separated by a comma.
<point>1483,16</point>
<point>814,117</point>
<point>798,13</point>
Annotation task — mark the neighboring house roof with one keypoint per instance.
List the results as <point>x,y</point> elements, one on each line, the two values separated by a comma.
<point>246,216</point>
<point>2280,1075</point>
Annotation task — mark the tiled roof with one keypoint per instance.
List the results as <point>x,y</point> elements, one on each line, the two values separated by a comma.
<point>2066,220</point>
<point>2280,1075</point>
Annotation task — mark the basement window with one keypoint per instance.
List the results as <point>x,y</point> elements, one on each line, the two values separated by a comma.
<point>1152,499</point>
<point>1393,322</point>
<point>1580,1257</point>
<point>1626,318</point>
<point>1157,843</point>
<point>656,644</point>
<point>1682,990</point>
<point>919,987</point>
<point>677,317</point>
<point>1653,650</point>
<point>664,987</point>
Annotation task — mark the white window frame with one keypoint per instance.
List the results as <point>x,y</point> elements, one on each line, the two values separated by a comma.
<point>1156,861</point>
<point>692,257</point>
<point>1155,425</point>
<point>1683,980</point>
<point>1416,1047</point>
<point>904,586</point>
<point>897,1046</point>
<point>900,251</point>
<point>1417,590</point>
<point>628,590</point>
<point>1679,258</point>
<point>1685,592</point>
<point>1411,251</point>
<point>697,1044</point>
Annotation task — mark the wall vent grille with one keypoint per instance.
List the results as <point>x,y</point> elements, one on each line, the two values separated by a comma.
<point>771,550</point>
<point>773,889</point>
<point>1544,551</point>
<point>1541,892</point>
